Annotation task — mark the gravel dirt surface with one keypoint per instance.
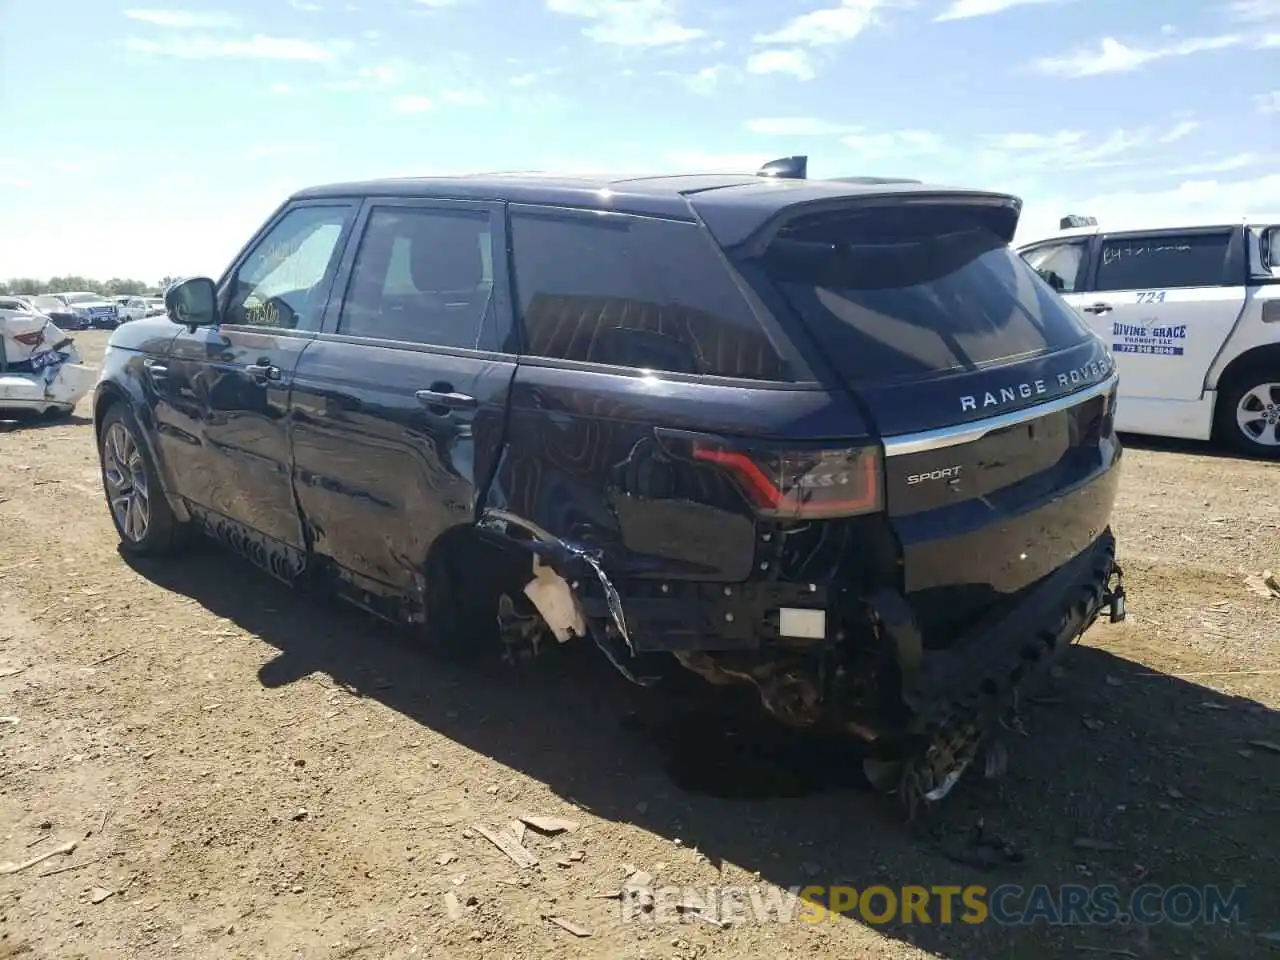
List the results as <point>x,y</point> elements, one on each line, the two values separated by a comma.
<point>249,772</point>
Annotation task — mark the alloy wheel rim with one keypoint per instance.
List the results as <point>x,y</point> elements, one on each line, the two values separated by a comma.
<point>126,478</point>
<point>1258,414</point>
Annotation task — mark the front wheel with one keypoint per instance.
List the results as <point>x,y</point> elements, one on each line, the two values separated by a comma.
<point>1249,414</point>
<point>139,509</point>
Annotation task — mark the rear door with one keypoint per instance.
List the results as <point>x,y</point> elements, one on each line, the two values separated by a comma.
<point>228,385</point>
<point>1167,301</point>
<point>399,405</point>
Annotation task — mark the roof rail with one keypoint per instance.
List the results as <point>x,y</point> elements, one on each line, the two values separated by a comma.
<point>791,168</point>
<point>1073,220</point>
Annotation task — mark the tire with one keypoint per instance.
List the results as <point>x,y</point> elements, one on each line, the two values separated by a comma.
<point>132,488</point>
<point>1248,413</point>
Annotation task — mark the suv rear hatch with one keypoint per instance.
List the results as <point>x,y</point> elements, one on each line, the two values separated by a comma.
<point>993,401</point>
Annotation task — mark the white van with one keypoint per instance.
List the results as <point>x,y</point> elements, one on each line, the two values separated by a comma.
<point>1192,316</point>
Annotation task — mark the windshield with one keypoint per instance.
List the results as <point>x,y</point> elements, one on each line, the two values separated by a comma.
<point>84,298</point>
<point>45,304</point>
<point>894,293</point>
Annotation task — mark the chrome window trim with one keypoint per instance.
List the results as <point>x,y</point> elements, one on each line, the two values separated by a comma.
<point>944,437</point>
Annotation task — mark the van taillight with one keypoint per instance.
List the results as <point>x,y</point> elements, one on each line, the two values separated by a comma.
<point>801,484</point>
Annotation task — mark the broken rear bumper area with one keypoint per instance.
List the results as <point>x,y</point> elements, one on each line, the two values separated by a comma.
<point>871,673</point>
<point>985,667</point>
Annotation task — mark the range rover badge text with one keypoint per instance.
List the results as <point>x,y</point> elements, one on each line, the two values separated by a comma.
<point>1013,392</point>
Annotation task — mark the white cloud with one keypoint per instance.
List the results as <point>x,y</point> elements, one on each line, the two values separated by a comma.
<point>706,81</point>
<point>1112,56</point>
<point>412,104</point>
<point>1058,140</point>
<point>838,24</point>
<point>532,77</point>
<point>797,127</point>
<point>896,143</point>
<point>303,7</point>
<point>793,61</point>
<point>966,9</point>
<point>183,19</point>
<point>1179,130</point>
<point>631,23</point>
<point>464,98</point>
<point>255,48</point>
<point>1268,102</point>
<point>260,151</point>
<point>1239,161</point>
<point>1254,11</point>
<point>1194,199</point>
<point>1269,41</point>
<point>698,161</point>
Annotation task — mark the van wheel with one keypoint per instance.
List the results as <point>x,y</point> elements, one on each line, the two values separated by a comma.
<point>139,509</point>
<point>1249,413</point>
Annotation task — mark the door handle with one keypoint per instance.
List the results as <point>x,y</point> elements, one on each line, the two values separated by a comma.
<point>1097,308</point>
<point>263,370</point>
<point>443,395</point>
<point>155,370</point>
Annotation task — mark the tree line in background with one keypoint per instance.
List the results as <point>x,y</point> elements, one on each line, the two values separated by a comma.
<point>115,287</point>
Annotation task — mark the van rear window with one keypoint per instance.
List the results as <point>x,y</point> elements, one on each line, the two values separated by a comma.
<point>908,291</point>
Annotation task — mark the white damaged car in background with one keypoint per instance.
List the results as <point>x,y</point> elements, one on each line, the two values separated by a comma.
<point>1191,312</point>
<point>40,368</point>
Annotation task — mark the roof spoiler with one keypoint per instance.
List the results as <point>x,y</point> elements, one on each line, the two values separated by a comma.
<point>1072,220</point>
<point>874,180</point>
<point>790,168</point>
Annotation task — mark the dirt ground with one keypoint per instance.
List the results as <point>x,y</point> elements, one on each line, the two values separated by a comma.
<point>253,773</point>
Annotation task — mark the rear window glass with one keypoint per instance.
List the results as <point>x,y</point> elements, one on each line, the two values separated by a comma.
<point>635,292</point>
<point>903,292</point>
<point>1140,263</point>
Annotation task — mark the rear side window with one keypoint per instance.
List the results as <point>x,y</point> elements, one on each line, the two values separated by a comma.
<point>901,292</point>
<point>1141,263</point>
<point>635,292</point>
<point>422,275</point>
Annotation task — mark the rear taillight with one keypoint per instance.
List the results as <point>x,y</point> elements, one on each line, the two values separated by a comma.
<point>31,339</point>
<point>809,483</point>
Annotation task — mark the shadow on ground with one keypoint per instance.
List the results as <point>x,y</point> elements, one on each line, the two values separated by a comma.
<point>15,420</point>
<point>1123,777</point>
<point>1199,448</point>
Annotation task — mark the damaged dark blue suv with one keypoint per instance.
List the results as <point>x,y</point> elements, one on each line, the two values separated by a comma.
<point>830,438</point>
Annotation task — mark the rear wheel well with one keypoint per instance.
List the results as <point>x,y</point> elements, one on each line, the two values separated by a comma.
<point>1267,356</point>
<point>467,570</point>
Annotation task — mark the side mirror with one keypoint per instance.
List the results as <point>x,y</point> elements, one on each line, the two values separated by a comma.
<point>1270,248</point>
<point>192,303</point>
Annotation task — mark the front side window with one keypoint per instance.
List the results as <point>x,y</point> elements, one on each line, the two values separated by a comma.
<point>280,284</point>
<point>422,275</point>
<point>1058,263</point>
<point>1162,261</point>
<point>634,292</point>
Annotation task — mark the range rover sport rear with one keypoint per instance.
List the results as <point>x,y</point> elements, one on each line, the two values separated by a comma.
<point>973,526</point>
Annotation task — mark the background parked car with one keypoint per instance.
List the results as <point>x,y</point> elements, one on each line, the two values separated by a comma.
<point>155,306</point>
<point>99,312</point>
<point>55,307</point>
<point>131,308</point>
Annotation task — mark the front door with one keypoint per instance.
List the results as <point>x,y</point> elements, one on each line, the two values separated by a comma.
<point>1165,302</point>
<point>399,406</point>
<point>229,384</point>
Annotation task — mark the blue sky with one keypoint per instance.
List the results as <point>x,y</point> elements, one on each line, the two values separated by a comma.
<point>146,140</point>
